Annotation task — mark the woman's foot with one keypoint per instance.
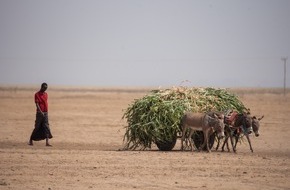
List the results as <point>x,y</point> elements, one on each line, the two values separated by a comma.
<point>30,143</point>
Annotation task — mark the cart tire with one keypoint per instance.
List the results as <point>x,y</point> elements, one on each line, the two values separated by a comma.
<point>197,138</point>
<point>167,145</point>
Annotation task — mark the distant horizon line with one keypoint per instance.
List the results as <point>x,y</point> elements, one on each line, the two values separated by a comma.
<point>54,87</point>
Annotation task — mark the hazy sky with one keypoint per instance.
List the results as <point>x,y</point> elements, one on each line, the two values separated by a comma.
<point>219,43</point>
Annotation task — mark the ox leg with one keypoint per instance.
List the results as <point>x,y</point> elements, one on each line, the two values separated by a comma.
<point>249,141</point>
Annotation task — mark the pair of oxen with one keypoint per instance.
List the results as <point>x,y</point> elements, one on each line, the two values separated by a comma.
<point>231,125</point>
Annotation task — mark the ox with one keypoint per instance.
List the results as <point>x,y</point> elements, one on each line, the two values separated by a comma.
<point>206,122</point>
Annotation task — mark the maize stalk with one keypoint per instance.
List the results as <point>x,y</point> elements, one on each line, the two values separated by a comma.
<point>156,117</point>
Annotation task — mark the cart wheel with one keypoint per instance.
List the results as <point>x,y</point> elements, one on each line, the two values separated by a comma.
<point>197,138</point>
<point>167,145</point>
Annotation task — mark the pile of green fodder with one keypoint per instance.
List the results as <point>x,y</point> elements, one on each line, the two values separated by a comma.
<point>156,117</point>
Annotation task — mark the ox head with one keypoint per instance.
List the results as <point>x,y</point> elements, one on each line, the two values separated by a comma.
<point>217,122</point>
<point>256,125</point>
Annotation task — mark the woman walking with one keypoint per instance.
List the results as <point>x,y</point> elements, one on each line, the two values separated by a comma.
<point>41,129</point>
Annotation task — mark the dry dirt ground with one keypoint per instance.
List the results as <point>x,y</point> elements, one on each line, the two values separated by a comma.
<point>88,132</point>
